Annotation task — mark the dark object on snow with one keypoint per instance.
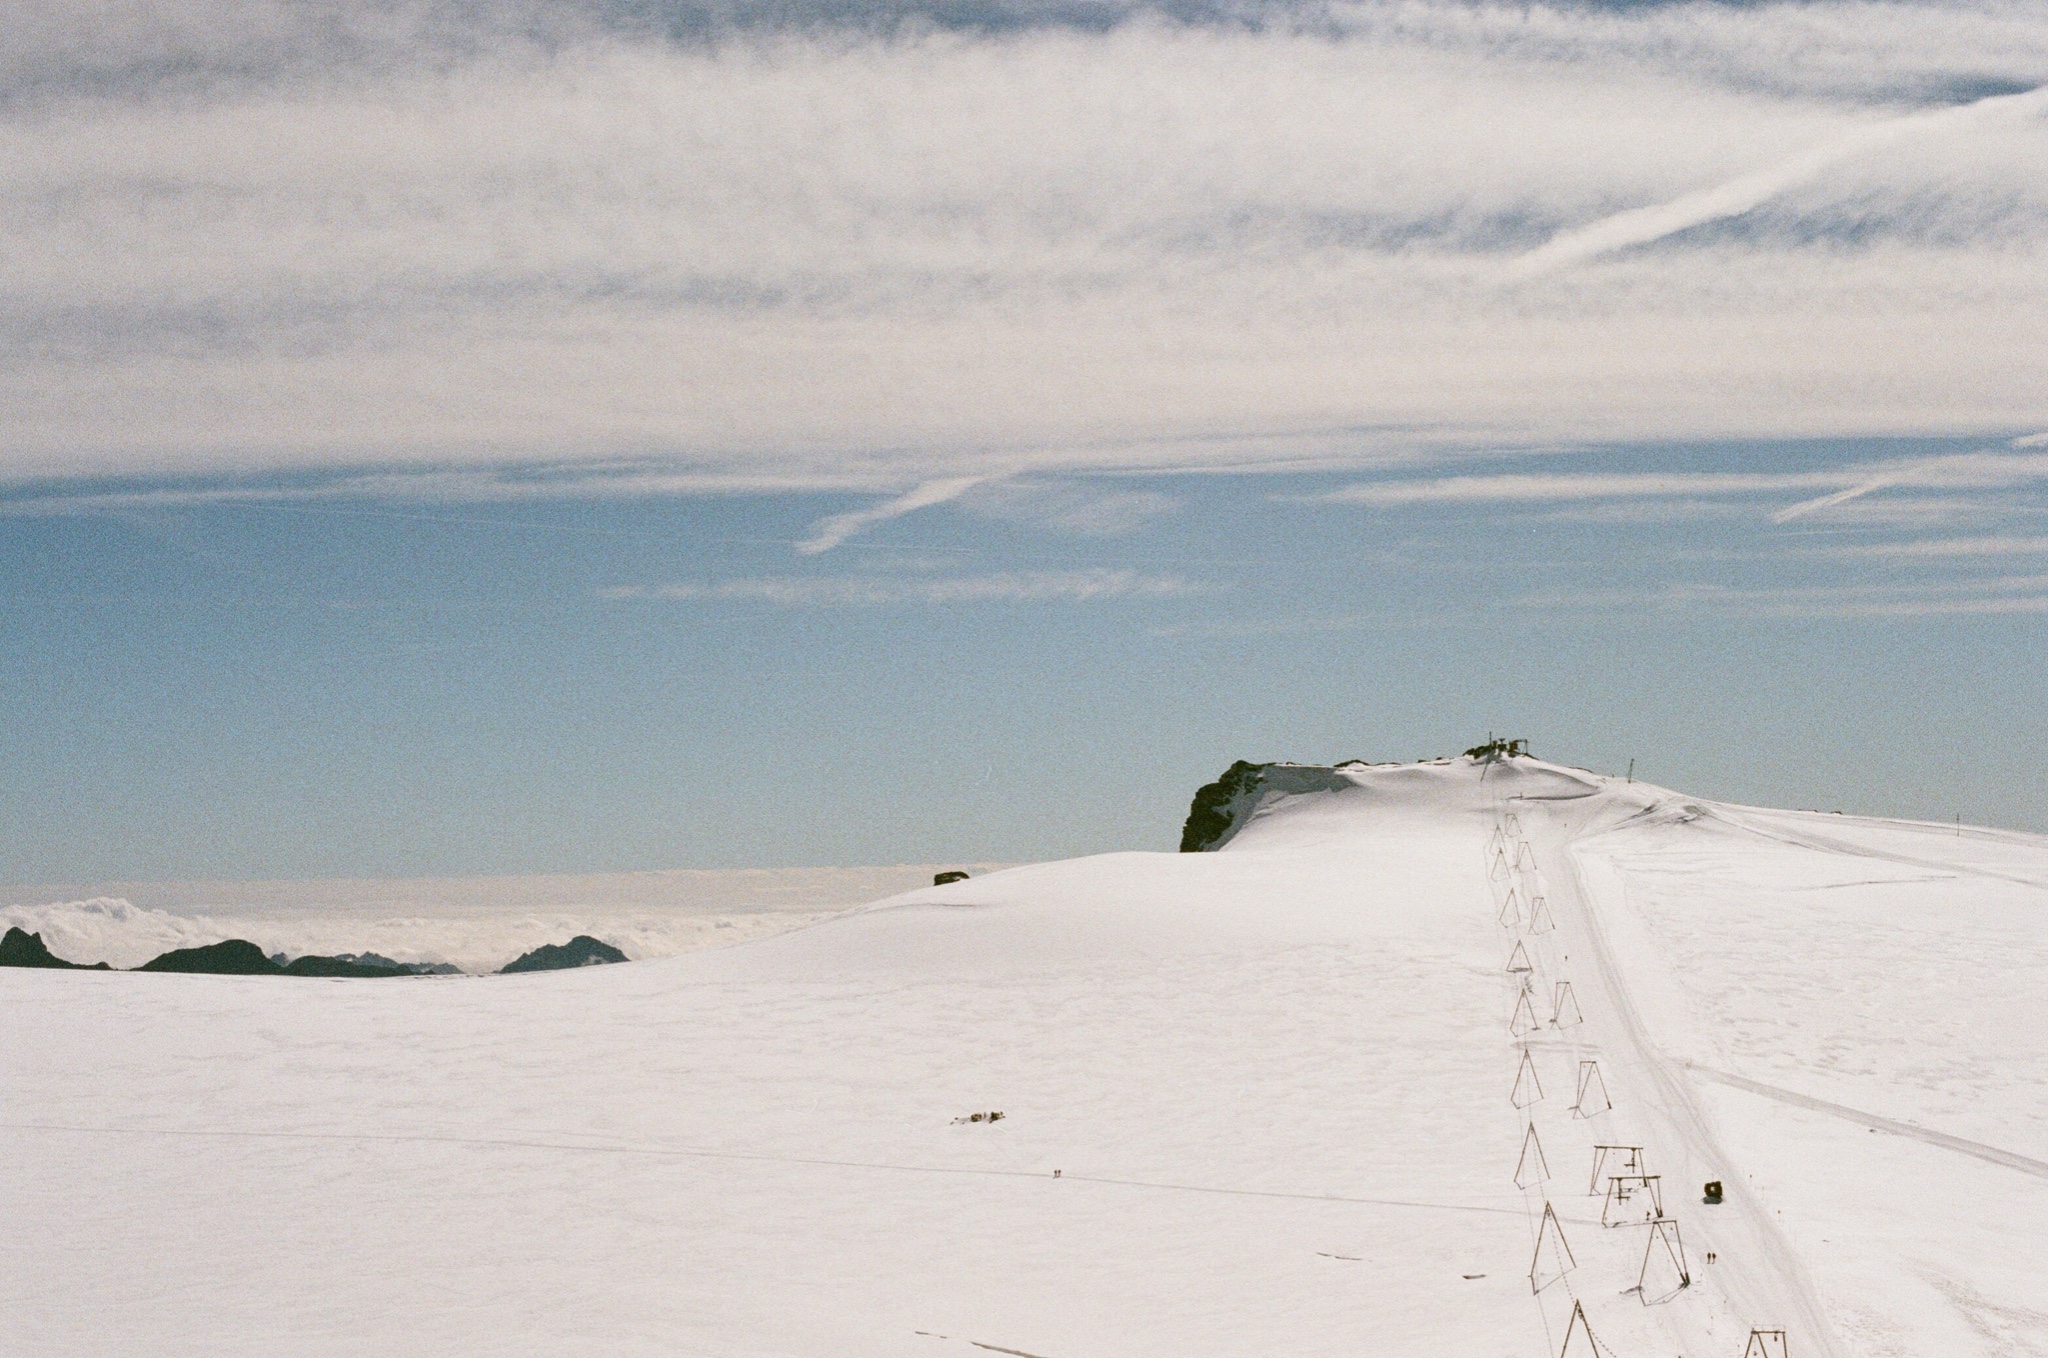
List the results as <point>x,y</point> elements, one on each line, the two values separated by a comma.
<point>580,951</point>
<point>947,878</point>
<point>1713,1193</point>
<point>979,1117</point>
<point>231,957</point>
<point>341,966</point>
<point>23,949</point>
<point>1209,817</point>
<point>1499,749</point>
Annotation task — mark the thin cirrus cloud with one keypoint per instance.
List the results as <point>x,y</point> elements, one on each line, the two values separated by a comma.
<point>896,247</point>
<point>1071,586</point>
<point>2002,596</point>
<point>1984,470</point>
<point>1934,549</point>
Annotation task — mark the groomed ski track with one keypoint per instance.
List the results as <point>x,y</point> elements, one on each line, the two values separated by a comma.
<point>1756,1268</point>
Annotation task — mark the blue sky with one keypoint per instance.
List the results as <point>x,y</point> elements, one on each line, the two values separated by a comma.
<point>356,686</point>
<point>458,436</point>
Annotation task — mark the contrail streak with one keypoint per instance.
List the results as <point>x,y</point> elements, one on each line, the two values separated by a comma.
<point>1805,507</point>
<point>1640,226</point>
<point>830,532</point>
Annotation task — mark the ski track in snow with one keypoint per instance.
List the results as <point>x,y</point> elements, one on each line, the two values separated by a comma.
<point>2011,1160</point>
<point>706,1153</point>
<point>1760,1271</point>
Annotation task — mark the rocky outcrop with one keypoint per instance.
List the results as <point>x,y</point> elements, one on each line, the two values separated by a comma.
<point>580,951</point>
<point>1224,807</point>
<point>229,957</point>
<point>19,948</point>
<point>1214,812</point>
<point>344,967</point>
<point>371,959</point>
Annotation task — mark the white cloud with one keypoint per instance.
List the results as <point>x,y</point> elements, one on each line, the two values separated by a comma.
<point>842,591</point>
<point>263,236</point>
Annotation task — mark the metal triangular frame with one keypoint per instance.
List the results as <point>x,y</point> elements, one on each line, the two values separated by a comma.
<point>1766,1344</point>
<point>1518,960</point>
<point>1511,909</point>
<point>1525,859</point>
<point>1528,1087</point>
<point>1632,1200</point>
<point>1540,921</point>
<point>1498,870</point>
<point>1564,1007</point>
<point>1512,824</point>
<point>1579,1325</point>
<point>1664,1247</point>
<point>1627,1159</point>
<point>1591,1082</point>
<point>1523,1021</point>
<point>1530,1167</point>
<point>1561,1252</point>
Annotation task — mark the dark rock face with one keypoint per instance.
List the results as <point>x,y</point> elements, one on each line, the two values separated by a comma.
<point>237,957</point>
<point>580,951</point>
<point>232,957</point>
<point>947,878</point>
<point>371,959</point>
<point>335,966</point>
<point>22,949</point>
<point>1209,817</point>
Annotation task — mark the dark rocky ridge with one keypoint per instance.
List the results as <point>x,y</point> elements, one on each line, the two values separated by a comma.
<point>341,966</point>
<point>580,951</point>
<point>240,957</point>
<point>229,957</point>
<point>19,948</point>
<point>1221,808</point>
<point>371,959</point>
<point>1210,817</point>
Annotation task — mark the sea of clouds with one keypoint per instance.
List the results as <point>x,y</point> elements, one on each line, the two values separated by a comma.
<point>476,923</point>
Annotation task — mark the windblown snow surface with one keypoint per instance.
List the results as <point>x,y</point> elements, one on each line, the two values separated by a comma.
<point>1259,1101</point>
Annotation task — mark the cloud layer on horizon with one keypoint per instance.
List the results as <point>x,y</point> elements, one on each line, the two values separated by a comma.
<point>765,245</point>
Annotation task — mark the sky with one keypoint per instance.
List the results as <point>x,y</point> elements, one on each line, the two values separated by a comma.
<point>467,438</point>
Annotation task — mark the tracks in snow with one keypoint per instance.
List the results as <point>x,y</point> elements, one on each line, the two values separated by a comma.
<point>2010,1159</point>
<point>1758,1272</point>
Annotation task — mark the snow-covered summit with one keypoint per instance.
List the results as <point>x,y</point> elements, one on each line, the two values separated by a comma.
<point>1267,795</point>
<point>1340,1087</point>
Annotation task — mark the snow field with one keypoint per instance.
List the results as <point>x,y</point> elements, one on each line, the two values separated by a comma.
<point>1275,1081</point>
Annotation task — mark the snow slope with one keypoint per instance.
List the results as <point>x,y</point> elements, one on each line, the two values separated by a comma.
<point>1256,1102</point>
